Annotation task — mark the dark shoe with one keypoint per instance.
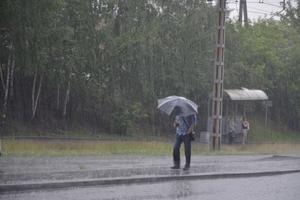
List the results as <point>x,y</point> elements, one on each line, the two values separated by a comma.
<point>175,167</point>
<point>186,167</point>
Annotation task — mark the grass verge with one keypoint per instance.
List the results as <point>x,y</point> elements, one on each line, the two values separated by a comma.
<point>69,148</point>
<point>64,148</point>
<point>272,133</point>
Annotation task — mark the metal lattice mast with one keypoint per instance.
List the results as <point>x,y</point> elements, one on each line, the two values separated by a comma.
<point>218,79</point>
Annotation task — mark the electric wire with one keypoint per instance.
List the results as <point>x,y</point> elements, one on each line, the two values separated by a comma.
<point>270,4</point>
<point>262,10</point>
<point>257,9</point>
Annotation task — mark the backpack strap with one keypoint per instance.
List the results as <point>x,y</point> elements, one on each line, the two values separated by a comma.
<point>185,122</point>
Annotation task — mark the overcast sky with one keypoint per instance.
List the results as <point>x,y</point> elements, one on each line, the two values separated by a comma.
<point>257,8</point>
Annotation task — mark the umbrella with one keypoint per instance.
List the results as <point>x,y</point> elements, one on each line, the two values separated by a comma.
<point>177,105</point>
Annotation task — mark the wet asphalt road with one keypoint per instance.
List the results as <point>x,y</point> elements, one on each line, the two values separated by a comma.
<point>24,170</point>
<point>36,170</point>
<point>279,187</point>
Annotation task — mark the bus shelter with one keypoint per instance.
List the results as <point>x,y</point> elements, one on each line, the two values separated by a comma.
<point>235,102</point>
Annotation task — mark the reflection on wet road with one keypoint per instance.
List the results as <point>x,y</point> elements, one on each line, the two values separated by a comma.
<point>271,188</point>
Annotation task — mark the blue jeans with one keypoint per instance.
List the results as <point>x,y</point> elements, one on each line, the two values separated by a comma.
<point>186,139</point>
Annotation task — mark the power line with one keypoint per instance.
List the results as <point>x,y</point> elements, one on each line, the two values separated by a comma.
<point>270,4</point>
<point>263,1</point>
<point>258,9</point>
<point>264,7</point>
<point>255,2</point>
<point>257,12</point>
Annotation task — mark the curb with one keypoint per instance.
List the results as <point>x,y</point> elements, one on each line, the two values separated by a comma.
<point>135,180</point>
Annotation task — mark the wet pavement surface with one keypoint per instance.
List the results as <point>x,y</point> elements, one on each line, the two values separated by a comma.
<point>267,188</point>
<point>16,171</point>
<point>29,170</point>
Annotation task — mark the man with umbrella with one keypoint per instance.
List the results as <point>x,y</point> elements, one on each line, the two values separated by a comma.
<point>185,111</point>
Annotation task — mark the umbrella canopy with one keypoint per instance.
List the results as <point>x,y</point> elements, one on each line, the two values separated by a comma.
<point>177,105</point>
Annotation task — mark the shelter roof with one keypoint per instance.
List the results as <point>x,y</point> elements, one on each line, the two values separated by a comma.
<point>245,94</point>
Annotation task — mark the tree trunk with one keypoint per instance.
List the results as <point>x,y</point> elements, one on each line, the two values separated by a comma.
<point>35,98</point>
<point>64,113</point>
<point>6,88</point>
<point>11,90</point>
<point>58,97</point>
<point>1,77</point>
<point>33,95</point>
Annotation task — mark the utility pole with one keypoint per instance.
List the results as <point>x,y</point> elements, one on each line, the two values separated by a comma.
<point>283,6</point>
<point>218,79</point>
<point>243,12</point>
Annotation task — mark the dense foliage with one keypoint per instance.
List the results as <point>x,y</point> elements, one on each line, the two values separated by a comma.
<point>104,63</point>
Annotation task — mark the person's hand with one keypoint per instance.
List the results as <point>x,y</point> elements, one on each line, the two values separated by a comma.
<point>175,125</point>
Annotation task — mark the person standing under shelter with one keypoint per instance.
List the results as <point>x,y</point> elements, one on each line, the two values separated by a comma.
<point>245,129</point>
<point>184,127</point>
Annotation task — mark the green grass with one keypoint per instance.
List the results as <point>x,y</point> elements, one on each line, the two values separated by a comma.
<point>259,133</point>
<point>82,133</point>
<point>263,140</point>
<point>61,148</point>
<point>69,148</point>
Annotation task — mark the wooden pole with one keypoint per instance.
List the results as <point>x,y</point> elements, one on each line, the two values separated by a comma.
<point>218,79</point>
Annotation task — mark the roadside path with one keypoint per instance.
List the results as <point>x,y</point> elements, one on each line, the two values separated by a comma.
<point>32,173</point>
